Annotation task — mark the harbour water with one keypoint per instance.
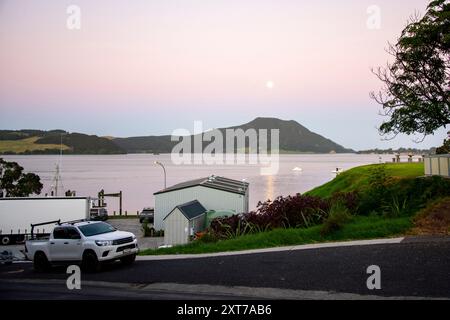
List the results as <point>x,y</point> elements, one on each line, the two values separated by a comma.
<point>138,177</point>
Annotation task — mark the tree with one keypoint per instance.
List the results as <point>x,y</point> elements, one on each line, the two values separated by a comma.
<point>445,148</point>
<point>416,93</point>
<point>15,183</point>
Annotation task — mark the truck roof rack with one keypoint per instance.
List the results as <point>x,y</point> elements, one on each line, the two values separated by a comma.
<point>43,223</point>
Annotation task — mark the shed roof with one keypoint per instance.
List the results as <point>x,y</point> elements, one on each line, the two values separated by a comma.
<point>190,210</point>
<point>213,182</point>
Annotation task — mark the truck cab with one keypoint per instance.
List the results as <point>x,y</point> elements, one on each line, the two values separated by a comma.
<point>88,243</point>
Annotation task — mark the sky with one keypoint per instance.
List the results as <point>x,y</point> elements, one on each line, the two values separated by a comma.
<point>149,67</point>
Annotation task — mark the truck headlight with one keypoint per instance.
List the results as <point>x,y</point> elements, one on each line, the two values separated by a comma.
<point>103,243</point>
<point>134,237</point>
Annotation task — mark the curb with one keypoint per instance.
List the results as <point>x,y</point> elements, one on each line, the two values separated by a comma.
<point>276,249</point>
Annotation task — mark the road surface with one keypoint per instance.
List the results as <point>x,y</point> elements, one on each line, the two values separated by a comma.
<point>415,268</point>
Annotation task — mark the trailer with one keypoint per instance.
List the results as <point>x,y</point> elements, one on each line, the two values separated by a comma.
<point>18,214</point>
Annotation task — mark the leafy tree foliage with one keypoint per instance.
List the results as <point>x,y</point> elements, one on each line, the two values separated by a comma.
<point>416,93</point>
<point>15,183</point>
<point>445,148</point>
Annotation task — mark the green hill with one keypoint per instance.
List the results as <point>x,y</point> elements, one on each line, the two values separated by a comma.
<point>294,138</point>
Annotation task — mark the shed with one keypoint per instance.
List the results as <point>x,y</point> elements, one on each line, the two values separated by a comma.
<point>213,192</point>
<point>438,164</point>
<point>183,222</point>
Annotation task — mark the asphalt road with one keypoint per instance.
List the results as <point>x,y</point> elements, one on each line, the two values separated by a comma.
<point>413,268</point>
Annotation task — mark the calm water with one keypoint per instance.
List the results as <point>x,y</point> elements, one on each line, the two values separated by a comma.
<point>139,178</point>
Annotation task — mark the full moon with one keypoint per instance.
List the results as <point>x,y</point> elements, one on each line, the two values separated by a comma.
<point>270,84</point>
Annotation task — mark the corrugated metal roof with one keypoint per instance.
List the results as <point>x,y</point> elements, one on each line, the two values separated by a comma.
<point>214,182</point>
<point>190,210</point>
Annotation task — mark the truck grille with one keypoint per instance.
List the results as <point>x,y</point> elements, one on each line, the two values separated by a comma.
<point>130,246</point>
<point>122,241</point>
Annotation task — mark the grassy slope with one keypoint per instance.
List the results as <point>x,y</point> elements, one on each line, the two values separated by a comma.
<point>359,228</point>
<point>356,178</point>
<point>20,146</point>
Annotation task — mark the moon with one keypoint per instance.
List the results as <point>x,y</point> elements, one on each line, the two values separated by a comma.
<point>270,84</point>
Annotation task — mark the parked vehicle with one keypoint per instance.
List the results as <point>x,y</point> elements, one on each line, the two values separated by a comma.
<point>99,213</point>
<point>17,214</point>
<point>147,214</point>
<point>88,243</point>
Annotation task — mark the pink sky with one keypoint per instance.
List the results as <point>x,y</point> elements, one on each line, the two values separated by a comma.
<point>172,62</point>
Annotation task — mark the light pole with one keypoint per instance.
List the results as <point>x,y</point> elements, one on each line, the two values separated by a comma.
<point>162,166</point>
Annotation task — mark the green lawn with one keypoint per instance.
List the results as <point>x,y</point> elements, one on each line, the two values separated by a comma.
<point>357,178</point>
<point>359,228</point>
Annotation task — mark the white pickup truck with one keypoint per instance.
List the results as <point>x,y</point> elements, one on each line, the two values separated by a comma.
<point>87,243</point>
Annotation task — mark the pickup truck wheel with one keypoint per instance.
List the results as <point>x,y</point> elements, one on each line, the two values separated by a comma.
<point>128,259</point>
<point>40,262</point>
<point>90,262</point>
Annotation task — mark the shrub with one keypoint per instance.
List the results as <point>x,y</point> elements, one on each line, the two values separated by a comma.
<point>283,212</point>
<point>206,237</point>
<point>339,215</point>
<point>146,229</point>
<point>396,208</point>
<point>403,196</point>
<point>150,231</point>
<point>349,199</point>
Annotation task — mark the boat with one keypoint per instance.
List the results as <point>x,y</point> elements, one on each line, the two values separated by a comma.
<point>298,169</point>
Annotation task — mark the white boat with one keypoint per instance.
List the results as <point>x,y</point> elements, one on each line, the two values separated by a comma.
<point>297,169</point>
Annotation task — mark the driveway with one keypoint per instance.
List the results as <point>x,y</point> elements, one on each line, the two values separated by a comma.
<point>414,268</point>
<point>133,225</point>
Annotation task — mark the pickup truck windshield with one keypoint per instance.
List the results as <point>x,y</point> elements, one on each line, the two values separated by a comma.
<point>96,228</point>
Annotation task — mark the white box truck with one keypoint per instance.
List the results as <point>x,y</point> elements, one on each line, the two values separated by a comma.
<point>18,214</point>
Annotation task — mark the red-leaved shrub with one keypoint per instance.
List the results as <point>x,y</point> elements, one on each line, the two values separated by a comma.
<point>284,212</point>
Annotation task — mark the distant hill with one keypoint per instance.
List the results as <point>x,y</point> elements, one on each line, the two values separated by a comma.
<point>294,138</point>
<point>148,144</point>
<point>49,142</point>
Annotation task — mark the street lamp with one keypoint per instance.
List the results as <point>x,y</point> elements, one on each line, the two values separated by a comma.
<point>162,166</point>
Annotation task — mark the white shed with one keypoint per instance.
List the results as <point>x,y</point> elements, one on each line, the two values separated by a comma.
<point>183,222</point>
<point>214,193</point>
<point>438,164</point>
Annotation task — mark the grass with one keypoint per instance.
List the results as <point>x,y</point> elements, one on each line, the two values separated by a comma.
<point>357,178</point>
<point>28,144</point>
<point>361,227</point>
